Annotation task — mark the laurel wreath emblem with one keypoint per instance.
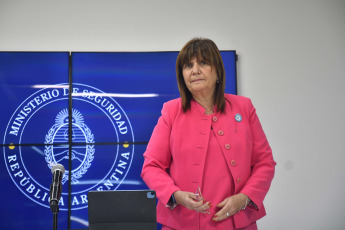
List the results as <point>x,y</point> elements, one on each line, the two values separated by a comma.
<point>62,119</point>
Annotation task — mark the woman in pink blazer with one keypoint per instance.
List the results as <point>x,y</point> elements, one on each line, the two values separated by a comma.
<point>208,158</point>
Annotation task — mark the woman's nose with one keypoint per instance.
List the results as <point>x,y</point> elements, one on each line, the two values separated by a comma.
<point>196,69</point>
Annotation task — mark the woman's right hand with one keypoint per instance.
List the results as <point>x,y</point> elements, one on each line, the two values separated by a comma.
<point>190,201</point>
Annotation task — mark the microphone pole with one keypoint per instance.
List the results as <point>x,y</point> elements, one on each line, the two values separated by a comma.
<point>55,191</point>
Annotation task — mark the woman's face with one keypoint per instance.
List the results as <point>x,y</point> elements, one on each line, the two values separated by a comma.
<point>200,78</point>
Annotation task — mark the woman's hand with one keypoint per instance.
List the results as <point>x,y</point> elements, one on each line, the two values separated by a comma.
<point>230,206</point>
<point>190,201</point>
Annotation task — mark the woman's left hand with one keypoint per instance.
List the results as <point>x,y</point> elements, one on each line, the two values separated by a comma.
<point>229,206</point>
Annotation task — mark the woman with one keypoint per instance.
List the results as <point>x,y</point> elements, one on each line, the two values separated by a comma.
<point>208,158</point>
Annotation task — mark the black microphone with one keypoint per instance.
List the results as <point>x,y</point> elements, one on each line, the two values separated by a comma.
<point>56,187</point>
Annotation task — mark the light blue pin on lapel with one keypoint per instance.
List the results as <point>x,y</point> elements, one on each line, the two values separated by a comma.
<point>238,117</point>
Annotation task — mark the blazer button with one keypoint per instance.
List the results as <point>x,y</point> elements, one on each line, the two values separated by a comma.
<point>215,118</point>
<point>238,180</point>
<point>220,133</point>
<point>227,146</point>
<point>233,163</point>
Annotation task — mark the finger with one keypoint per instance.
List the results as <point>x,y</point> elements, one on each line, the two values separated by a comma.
<point>195,205</point>
<point>223,214</point>
<point>194,197</point>
<point>206,212</point>
<point>206,206</point>
<point>222,204</point>
<point>219,216</point>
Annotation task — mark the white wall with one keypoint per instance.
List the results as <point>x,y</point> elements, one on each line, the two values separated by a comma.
<point>291,63</point>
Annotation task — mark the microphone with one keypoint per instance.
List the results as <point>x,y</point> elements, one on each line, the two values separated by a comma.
<point>56,187</point>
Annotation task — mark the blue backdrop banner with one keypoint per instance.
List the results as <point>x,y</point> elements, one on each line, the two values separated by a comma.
<point>91,112</point>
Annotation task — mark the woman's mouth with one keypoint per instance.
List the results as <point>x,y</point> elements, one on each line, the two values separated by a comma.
<point>196,80</point>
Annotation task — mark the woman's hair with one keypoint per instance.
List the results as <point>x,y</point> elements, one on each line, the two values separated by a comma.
<point>202,49</point>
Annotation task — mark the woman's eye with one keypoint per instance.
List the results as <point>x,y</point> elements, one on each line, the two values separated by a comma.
<point>188,66</point>
<point>203,62</point>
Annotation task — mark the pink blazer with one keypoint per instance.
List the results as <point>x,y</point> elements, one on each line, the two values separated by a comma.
<point>175,156</point>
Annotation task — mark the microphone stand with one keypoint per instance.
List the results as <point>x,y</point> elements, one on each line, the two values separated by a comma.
<point>54,206</point>
<point>55,191</point>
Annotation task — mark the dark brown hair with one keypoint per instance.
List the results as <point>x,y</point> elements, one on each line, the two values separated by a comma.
<point>202,49</point>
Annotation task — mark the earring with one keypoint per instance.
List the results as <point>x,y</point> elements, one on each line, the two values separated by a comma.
<point>217,81</point>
